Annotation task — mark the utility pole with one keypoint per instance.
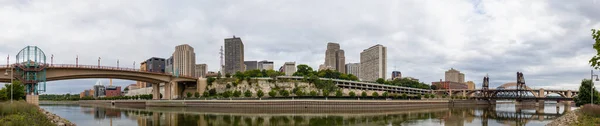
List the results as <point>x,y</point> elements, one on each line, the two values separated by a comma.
<point>117,64</point>
<point>52,60</point>
<point>77,61</point>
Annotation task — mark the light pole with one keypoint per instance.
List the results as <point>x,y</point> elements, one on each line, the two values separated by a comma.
<point>98,62</point>
<point>592,87</point>
<point>11,79</point>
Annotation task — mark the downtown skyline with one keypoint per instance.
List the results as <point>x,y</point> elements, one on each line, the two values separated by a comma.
<point>548,42</point>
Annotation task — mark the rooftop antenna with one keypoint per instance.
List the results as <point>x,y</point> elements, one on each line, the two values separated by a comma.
<point>221,56</point>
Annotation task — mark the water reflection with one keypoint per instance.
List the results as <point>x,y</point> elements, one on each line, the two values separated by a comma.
<point>505,114</point>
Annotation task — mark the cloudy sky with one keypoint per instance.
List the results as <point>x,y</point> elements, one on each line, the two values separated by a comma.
<point>550,41</point>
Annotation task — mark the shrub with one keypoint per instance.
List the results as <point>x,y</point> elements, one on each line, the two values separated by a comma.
<point>197,94</point>
<point>364,94</point>
<point>285,93</point>
<point>20,113</point>
<point>260,93</point>
<point>227,94</point>
<point>228,86</point>
<point>272,93</point>
<point>325,92</point>
<point>426,96</point>
<point>227,75</point>
<point>210,80</point>
<point>593,110</point>
<point>375,94</point>
<point>339,93</point>
<point>205,94</point>
<point>212,92</point>
<point>395,96</point>
<point>385,94</point>
<point>404,96</point>
<point>237,93</point>
<point>248,93</point>
<point>352,94</point>
<point>313,93</point>
<point>299,93</point>
<point>189,94</point>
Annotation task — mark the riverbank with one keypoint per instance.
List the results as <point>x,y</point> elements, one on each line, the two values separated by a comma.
<point>586,115</point>
<point>20,113</point>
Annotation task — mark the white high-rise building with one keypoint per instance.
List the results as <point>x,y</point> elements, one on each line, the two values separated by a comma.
<point>353,68</point>
<point>373,63</point>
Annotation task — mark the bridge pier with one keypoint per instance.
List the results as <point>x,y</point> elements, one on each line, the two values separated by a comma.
<point>156,91</point>
<point>168,91</point>
<point>33,99</point>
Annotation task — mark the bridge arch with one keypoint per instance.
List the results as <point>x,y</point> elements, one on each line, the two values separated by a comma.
<point>551,92</point>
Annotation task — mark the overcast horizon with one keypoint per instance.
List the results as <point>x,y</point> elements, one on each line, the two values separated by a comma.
<point>549,41</point>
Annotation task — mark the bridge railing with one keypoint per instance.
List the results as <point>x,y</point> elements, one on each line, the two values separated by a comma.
<point>100,68</point>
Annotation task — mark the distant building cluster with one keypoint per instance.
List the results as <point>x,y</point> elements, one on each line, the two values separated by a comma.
<point>454,79</point>
<point>99,91</point>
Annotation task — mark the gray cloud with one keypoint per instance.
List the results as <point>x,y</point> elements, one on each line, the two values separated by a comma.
<point>547,40</point>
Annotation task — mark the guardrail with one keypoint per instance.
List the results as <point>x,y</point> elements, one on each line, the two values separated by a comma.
<point>98,68</point>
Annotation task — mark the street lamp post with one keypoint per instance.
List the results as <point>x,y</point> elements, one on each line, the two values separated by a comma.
<point>592,87</point>
<point>11,79</point>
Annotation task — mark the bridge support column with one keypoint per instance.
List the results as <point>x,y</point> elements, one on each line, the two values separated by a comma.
<point>201,85</point>
<point>155,91</point>
<point>464,93</point>
<point>539,103</point>
<point>33,99</point>
<point>168,90</point>
<point>569,94</point>
<point>541,93</point>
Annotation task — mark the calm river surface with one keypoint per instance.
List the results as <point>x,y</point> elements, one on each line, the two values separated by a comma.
<point>498,115</point>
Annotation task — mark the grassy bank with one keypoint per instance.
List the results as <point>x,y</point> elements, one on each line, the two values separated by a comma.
<point>19,113</point>
<point>589,115</point>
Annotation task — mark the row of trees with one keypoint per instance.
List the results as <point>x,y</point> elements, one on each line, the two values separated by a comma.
<point>313,93</point>
<point>405,82</point>
<point>307,71</point>
<point>18,92</point>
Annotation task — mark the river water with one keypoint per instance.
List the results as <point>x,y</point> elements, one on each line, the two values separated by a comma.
<point>498,115</point>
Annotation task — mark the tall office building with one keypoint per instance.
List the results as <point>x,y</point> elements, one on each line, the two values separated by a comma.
<point>454,75</point>
<point>234,55</point>
<point>265,65</point>
<point>353,68</point>
<point>289,68</point>
<point>396,75</point>
<point>184,60</point>
<point>201,70</point>
<point>373,63</point>
<point>155,65</point>
<point>169,65</point>
<point>251,65</point>
<point>334,57</point>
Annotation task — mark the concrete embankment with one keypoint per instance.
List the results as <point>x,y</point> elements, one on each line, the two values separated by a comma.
<point>59,102</point>
<point>362,104</point>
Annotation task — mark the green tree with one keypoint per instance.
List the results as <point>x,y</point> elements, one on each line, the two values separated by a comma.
<point>285,93</point>
<point>260,93</point>
<point>17,94</point>
<point>426,96</point>
<point>219,75</point>
<point>325,93</point>
<point>375,94</point>
<point>197,94</point>
<point>352,94</point>
<point>227,75</point>
<point>594,62</point>
<point>404,96</point>
<point>380,81</point>
<point>385,94</point>
<point>272,93</point>
<point>395,95</point>
<point>237,93</point>
<point>584,95</point>
<point>303,70</point>
<point>313,93</point>
<point>210,80</point>
<point>339,93</point>
<point>364,94</point>
<point>212,92</point>
<point>299,92</point>
<point>205,94</point>
<point>248,93</point>
<point>189,94</point>
<point>227,94</point>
